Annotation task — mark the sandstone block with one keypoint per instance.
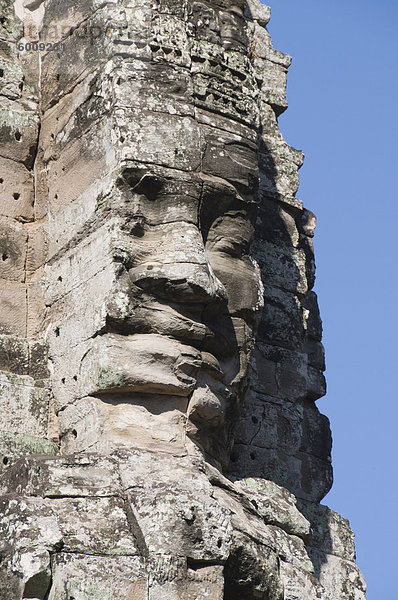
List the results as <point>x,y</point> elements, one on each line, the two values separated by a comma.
<point>25,407</point>
<point>268,424</point>
<point>341,578</point>
<point>282,322</point>
<point>16,190</point>
<point>316,436</point>
<point>104,425</point>
<point>13,240</point>
<point>303,475</point>
<point>263,373</point>
<point>316,383</point>
<point>120,363</point>
<point>284,266</point>
<point>18,131</point>
<point>73,476</point>
<point>13,446</point>
<point>197,583</point>
<point>313,318</point>
<point>13,308</point>
<point>299,585</point>
<point>276,505</point>
<point>87,578</point>
<point>330,533</point>
<point>14,354</point>
<point>276,224</point>
<point>183,519</point>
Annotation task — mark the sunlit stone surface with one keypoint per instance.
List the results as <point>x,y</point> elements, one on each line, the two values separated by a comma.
<point>160,345</point>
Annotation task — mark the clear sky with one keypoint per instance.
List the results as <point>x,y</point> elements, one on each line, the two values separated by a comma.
<point>342,93</point>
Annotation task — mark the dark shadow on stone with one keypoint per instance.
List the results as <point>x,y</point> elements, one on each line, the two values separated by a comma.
<point>282,436</point>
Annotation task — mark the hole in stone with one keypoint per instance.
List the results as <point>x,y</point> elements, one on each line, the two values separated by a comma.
<point>63,379</point>
<point>52,136</point>
<point>122,139</point>
<point>74,433</point>
<point>56,331</point>
<point>16,195</point>
<point>255,420</point>
<point>1,180</point>
<point>1,73</point>
<point>21,86</point>
<point>4,256</point>
<point>60,278</point>
<point>5,460</point>
<point>18,136</point>
<point>57,77</point>
<point>219,543</point>
<point>75,377</point>
<point>56,197</point>
<point>2,20</point>
<point>118,82</point>
<point>252,456</point>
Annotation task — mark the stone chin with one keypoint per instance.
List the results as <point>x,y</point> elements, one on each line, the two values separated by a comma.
<point>146,390</point>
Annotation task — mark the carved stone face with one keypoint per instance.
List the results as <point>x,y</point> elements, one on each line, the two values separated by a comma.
<point>180,323</point>
<point>169,359</point>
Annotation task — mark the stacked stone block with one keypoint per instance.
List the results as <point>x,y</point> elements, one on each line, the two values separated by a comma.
<point>136,93</point>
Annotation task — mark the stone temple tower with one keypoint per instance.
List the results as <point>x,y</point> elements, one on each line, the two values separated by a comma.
<point>160,342</point>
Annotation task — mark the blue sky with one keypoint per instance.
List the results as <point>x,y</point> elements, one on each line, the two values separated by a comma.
<point>342,93</point>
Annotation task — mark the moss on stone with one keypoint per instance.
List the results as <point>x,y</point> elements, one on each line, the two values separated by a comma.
<point>108,378</point>
<point>16,445</point>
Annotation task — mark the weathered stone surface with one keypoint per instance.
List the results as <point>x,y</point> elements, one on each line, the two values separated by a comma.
<point>16,190</point>
<point>13,308</point>
<point>24,406</point>
<point>16,445</point>
<point>275,505</point>
<point>12,250</point>
<point>72,476</point>
<point>88,577</point>
<point>158,326</point>
<point>340,578</point>
<point>330,532</point>
<point>14,354</point>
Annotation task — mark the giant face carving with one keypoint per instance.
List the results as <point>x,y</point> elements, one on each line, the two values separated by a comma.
<point>180,325</point>
<point>171,362</point>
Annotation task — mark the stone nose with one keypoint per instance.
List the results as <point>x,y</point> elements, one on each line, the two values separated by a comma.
<point>182,283</point>
<point>171,263</point>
